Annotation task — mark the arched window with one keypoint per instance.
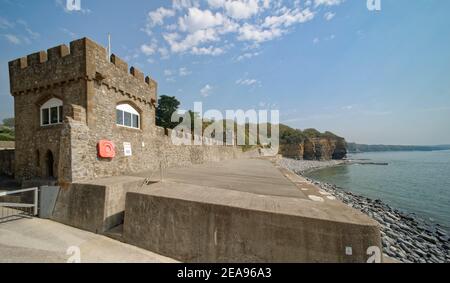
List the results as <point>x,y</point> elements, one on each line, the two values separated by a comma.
<point>127,116</point>
<point>52,112</point>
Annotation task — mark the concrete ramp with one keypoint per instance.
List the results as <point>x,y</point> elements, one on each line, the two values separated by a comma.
<point>245,211</point>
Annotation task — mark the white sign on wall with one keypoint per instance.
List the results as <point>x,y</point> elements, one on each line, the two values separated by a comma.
<point>127,149</point>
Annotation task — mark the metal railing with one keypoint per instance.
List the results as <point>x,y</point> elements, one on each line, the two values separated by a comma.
<point>15,210</point>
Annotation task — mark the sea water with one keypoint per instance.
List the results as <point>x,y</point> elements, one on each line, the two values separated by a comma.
<point>414,182</point>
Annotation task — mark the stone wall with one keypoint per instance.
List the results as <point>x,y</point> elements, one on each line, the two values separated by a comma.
<point>90,86</point>
<point>151,147</point>
<point>7,145</point>
<point>7,162</point>
<point>59,72</point>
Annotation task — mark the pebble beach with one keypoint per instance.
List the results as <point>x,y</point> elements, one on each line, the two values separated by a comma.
<point>406,237</point>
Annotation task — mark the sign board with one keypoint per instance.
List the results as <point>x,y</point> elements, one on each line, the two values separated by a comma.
<point>127,149</point>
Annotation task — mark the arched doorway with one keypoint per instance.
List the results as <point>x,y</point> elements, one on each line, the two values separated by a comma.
<point>50,164</point>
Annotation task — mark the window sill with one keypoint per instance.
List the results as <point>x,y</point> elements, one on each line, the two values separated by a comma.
<point>52,126</point>
<point>128,128</point>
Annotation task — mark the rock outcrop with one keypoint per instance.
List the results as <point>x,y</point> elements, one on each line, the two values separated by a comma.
<point>294,151</point>
<point>311,145</point>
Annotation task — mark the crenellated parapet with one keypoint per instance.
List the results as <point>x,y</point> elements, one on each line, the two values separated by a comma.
<point>46,69</point>
<point>84,60</point>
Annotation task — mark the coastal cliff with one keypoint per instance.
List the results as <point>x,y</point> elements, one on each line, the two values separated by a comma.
<point>310,144</point>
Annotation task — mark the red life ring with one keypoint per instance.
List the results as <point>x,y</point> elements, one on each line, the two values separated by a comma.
<point>106,149</point>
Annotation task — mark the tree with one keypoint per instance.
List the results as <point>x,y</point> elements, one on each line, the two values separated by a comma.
<point>167,105</point>
<point>6,134</point>
<point>8,122</point>
<point>194,116</point>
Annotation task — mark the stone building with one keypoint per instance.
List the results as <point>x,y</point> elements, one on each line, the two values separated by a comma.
<point>69,98</point>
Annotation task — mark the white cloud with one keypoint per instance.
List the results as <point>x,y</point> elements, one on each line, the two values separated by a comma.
<point>183,4</point>
<point>191,41</point>
<point>206,90</point>
<point>212,28</point>
<point>289,18</point>
<point>149,49</point>
<point>13,39</point>
<point>197,19</point>
<point>240,9</point>
<point>243,9</point>
<point>327,2</point>
<point>257,34</point>
<point>215,4</point>
<point>164,52</point>
<point>248,82</point>
<point>329,16</point>
<point>248,55</point>
<point>183,72</point>
<point>69,33</point>
<point>213,51</point>
<point>5,24</point>
<point>30,32</point>
<point>157,17</point>
<point>168,73</point>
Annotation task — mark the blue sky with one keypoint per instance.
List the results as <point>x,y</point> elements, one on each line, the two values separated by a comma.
<point>370,76</point>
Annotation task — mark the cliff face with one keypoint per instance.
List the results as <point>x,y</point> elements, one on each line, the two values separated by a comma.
<point>324,149</point>
<point>294,151</point>
<point>316,149</point>
<point>340,151</point>
<point>311,144</point>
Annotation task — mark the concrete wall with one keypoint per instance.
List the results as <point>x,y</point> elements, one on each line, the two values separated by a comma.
<point>95,207</point>
<point>199,230</point>
<point>7,162</point>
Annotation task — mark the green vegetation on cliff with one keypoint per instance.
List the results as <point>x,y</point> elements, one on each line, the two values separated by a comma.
<point>311,144</point>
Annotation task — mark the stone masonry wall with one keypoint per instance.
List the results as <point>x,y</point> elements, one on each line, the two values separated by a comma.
<point>60,73</point>
<point>7,162</point>
<point>91,85</point>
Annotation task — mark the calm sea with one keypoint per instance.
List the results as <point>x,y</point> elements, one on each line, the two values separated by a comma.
<point>417,182</point>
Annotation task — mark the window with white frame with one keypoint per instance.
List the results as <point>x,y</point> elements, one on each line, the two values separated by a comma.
<point>127,116</point>
<point>52,112</point>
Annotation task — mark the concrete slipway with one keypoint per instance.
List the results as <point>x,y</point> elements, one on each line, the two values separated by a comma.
<point>44,241</point>
<point>235,211</point>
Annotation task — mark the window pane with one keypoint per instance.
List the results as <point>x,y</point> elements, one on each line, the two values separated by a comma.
<point>119,117</point>
<point>127,119</point>
<point>54,115</point>
<point>45,114</point>
<point>135,121</point>
<point>60,114</point>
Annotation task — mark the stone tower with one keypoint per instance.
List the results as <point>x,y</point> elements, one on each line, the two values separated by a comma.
<point>66,99</point>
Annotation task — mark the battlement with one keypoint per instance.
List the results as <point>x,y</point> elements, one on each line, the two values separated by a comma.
<point>83,59</point>
<point>52,54</point>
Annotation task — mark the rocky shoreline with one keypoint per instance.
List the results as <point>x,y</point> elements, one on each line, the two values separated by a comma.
<point>406,237</point>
